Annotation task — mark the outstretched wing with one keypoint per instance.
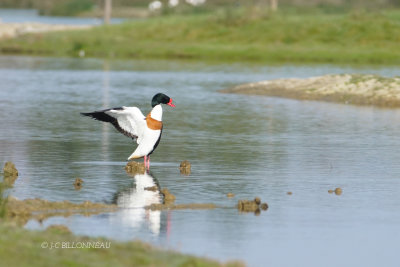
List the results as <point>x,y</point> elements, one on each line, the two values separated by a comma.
<point>130,121</point>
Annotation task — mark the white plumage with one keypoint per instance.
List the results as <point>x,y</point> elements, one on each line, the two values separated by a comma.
<point>130,119</point>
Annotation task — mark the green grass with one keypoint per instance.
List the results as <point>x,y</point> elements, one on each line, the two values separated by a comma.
<point>70,8</point>
<point>3,201</point>
<point>20,247</point>
<point>233,35</point>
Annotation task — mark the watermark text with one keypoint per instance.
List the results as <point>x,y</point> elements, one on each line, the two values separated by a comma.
<point>73,244</point>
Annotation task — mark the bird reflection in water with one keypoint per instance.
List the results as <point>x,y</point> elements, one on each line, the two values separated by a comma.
<point>132,201</point>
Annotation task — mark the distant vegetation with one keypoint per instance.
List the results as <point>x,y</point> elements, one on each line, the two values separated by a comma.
<point>77,7</point>
<point>52,7</point>
<point>71,8</point>
<point>335,31</point>
<point>234,35</point>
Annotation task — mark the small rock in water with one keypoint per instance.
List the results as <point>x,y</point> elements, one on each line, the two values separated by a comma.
<point>264,206</point>
<point>9,169</point>
<point>133,167</point>
<point>78,183</point>
<point>185,164</point>
<point>257,200</point>
<point>185,167</point>
<point>330,191</point>
<point>230,195</point>
<point>289,193</point>
<point>338,191</point>
<point>10,173</point>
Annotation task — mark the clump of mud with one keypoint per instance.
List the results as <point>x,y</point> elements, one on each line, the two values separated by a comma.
<point>133,167</point>
<point>40,209</point>
<point>59,228</point>
<point>230,195</point>
<point>168,197</point>
<point>78,183</point>
<point>252,205</point>
<point>9,169</point>
<point>185,167</point>
<point>171,206</point>
<point>338,191</point>
<point>10,173</point>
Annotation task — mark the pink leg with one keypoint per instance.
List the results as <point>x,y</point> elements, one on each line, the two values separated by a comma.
<point>145,162</point>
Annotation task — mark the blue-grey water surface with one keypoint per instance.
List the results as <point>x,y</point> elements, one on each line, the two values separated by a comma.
<point>248,145</point>
<point>9,15</point>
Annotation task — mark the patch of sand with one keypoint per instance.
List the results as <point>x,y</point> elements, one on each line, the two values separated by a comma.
<point>358,89</point>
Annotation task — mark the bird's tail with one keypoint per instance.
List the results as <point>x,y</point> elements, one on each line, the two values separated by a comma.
<point>135,155</point>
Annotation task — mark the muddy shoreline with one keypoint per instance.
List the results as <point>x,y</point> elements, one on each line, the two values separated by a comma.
<point>356,89</point>
<point>40,209</point>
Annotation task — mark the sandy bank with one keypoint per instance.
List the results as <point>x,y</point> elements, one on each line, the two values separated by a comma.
<point>358,89</point>
<point>12,30</point>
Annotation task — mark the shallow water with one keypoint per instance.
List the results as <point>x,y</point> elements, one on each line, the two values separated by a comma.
<point>248,145</point>
<point>9,15</point>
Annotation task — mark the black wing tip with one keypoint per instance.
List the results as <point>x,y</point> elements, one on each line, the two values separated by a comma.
<point>99,112</point>
<point>100,116</point>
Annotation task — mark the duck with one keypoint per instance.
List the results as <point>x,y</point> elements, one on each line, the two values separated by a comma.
<point>130,121</point>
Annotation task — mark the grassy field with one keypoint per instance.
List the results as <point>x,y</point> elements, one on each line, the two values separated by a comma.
<point>233,35</point>
<point>20,247</point>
